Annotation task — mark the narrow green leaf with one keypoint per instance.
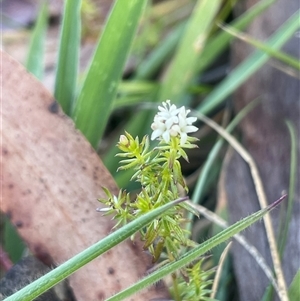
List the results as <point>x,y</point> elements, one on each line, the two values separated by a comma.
<point>249,66</point>
<point>211,159</point>
<point>194,253</point>
<point>225,11</point>
<point>217,44</point>
<point>183,66</point>
<point>63,271</point>
<point>214,47</point>
<point>131,92</point>
<point>95,100</point>
<point>66,73</point>
<point>140,124</point>
<point>183,63</point>
<point>35,57</point>
<point>285,58</point>
<point>158,56</point>
<point>292,187</point>
<point>294,290</point>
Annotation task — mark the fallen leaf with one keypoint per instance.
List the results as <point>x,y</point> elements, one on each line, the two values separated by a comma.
<point>51,178</point>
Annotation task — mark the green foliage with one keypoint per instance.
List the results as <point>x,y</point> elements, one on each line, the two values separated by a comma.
<point>35,57</point>
<point>281,56</point>
<point>194,253</point>
<point>159,172</point>
<point>93,105</point>
<point>198,282</point>
<point>182,69</point>
<point>188,48</point>
<point>294,291</point>
<point>249,66</point>
<point>67,65</point>
<point>36,288</point>
<point>283,236</point>
<point>220,40</point>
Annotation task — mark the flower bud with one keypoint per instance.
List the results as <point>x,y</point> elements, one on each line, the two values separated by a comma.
<point>124,140</point>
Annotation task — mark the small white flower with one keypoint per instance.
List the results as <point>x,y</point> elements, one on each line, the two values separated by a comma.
<point>171,121</point>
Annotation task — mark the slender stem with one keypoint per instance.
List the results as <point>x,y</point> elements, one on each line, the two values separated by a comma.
<point>176,293</point>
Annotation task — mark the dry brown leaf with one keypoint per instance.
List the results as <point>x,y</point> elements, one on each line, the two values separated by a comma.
<point>51,180</point>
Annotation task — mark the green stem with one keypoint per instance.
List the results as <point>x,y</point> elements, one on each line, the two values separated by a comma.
<point>176,293</point>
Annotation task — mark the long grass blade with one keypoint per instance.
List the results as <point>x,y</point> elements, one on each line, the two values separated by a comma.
<point>194,253</point>
<point>66,73</point>
<point>249,66</point>
<point>197,194</point>
<point>35,57</point>
<point>216,219</point>
<point>283,57</point>
<point>294,292</point>
<point>36,288</point>
<point>260,191</point>
<point>217,43</point>
<point>95,100</point>
<point>182,68</point>
<point>139,125</point>
<point>292,186</point>
<point>153,62</point>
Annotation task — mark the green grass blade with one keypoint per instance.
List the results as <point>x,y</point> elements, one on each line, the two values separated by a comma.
<point>292,187</point>
<point>281,56</point>
<point>131,92</point>
<point>182,68</point>
<point>194,253</point>
<point>249,66</point>
<point>35,57</point>
<point>200,185</point>
<point>138,124</point>
<point>158,56</point>
<point>214,46</point>
<point>63,271</point>
<point>66,73</point>
<point>225,10</point>
<point>95,100</point>
<point>217,44</point>
<point>134,98</point>
<point>294,291</point>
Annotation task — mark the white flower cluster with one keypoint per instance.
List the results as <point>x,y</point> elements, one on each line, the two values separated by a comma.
<point>171,122</point>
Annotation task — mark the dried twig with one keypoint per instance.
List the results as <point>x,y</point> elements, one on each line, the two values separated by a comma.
<point>219,270</point>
